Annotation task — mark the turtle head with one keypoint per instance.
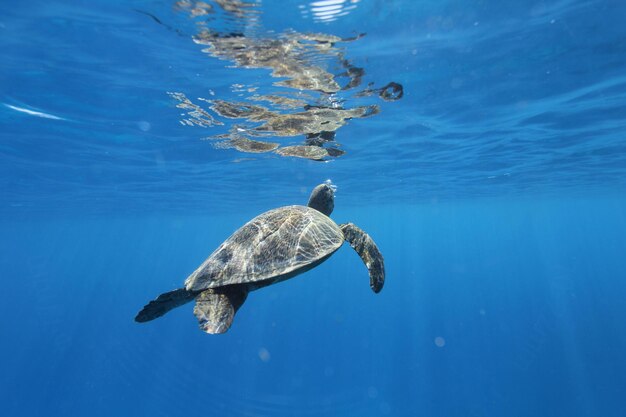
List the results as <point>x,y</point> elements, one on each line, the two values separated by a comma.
<point>323,198</point>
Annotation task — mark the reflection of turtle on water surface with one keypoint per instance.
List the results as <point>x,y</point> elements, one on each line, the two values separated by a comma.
<point>313,75</point>
<point>274,246</point>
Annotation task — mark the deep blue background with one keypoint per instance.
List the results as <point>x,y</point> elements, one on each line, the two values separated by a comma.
<point>527,295</point>
<point>495,189</point>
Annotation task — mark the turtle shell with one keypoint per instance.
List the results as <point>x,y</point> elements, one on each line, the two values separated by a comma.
<point>277,242</point>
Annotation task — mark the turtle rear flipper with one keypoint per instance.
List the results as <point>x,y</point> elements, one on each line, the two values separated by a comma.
<point>216,307</point>
<point>369,253</point>
<point>164,303</point>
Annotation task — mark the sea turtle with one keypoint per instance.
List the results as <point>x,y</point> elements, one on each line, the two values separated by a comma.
<point>274,246</point>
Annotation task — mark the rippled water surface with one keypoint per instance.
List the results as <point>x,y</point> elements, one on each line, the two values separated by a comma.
<point>499,98</point>
<point>481,144</point>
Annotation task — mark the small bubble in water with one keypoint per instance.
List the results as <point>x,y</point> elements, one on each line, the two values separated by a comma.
<point>440,341</point>
<point>372,392</point>
<point>329,182</point>
<point>144,126</point>
<point>264,355</point>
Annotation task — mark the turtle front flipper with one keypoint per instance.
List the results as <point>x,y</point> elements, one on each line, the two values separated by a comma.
<point>216,307</point>
<point>364,245</point>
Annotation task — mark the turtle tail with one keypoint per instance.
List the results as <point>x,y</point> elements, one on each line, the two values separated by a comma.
<point>164,303</point>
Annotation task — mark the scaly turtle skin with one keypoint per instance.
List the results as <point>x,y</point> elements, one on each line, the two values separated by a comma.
<point>274,246</point>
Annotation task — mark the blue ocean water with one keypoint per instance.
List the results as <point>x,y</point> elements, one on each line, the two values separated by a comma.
<point>481,144</point>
